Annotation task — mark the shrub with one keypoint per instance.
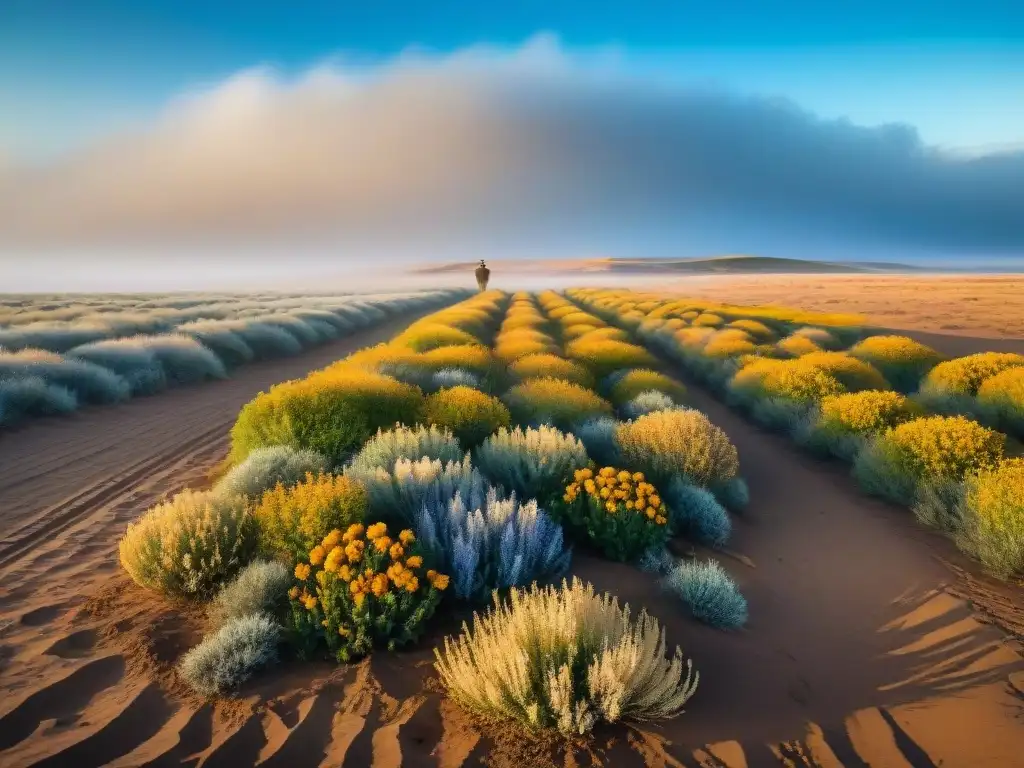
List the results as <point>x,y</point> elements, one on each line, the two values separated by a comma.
<point>470,414</point>
<point>1002,396</point>
<point>425,336</point>
<point>855,375</point>
<point>90,383</point>
<point>994,532</point>
<point>293,519</point>
<point>640,380</point>
<point>758,330</point>
<point>617,511</point>
<point>669,443</point>
<point>964,375</point>
<point>598,437</point>
<point>901,360</point>
<point>520,344</point>
<point>547,400</point>
<point>602,356</point>
<point>31,396</point>
<point>224,342</point>
<point>795,346</point>
<point>397,495</point>
<point>229,657</point>
<point>647,402</point>
<point>824,339</point>
<point>865,412</point>
<point>185,360</point>
<point>190,545</point>
<point>940,504</point>
<point>728,347</point>
<point>532,463</point>
<point>565,658</point>
<point>454,377</point>
<point>261,587</point>
<point>385,448</point>
<point>330,413</point>
<point>785,379</point>
<point>362,590</point>
<point>472,357</point>
<point>487,543</point>
<point>926,449</point>
<point>129,359</point>
<point>264,468</point>
<point>708,320</point>
<point>551,366</point>
<point>710,593</point>
<point>695,513</point>
<point>734,494</point>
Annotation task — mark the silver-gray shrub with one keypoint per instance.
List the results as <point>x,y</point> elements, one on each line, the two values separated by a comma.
<point>397,496</point>
<point>261,587</point>
<point>129,358</point>
<point>89,382</point>
<point>228,345</point>
<point>647,402</point>
<point>387,447</point>
<point>265,467</point>
<point>184,360</point>
<point>31,396</point>
<point>229,657</point>
<point>453,377</point>
<point>709,592</point>
<point>485,542</point>
<point>598,437</point>
<point>535,463</point>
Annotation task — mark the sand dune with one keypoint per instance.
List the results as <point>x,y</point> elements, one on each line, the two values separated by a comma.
<point>871,641</point>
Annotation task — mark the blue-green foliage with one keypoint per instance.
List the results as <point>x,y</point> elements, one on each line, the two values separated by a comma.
<point>695,513</point>
<point>30,396</point>
<point>265,467</point>
<point>598,437</point>
<point>710,593</point>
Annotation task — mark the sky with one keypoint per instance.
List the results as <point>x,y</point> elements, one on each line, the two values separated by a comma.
<point>180,131</point>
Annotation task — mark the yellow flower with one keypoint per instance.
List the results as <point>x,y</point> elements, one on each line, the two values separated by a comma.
<point>589,486</point>
<point>566,498</point>
<point>439,582</point>
<point>316,555</point>
<point>383,544</point>
<point>293,593</point>
<point>375,531</point>
<point>586,473</point>
<point>655,500</point>
<point>607,472</point>
<point>629,505</point>
<point>354,532</point>
<point>651,512</point>
<point>345,573</point>
<point>359,599</point>
<point>623,476</point>
<point>302,571</point>
<point>334,558</point>
<point>414,562</point>
<point>431,574</point>
<point>638,477</point>
<point>396,551</point>
<point>331,540</point>
<point>611,506</point>
<point>354,551</point>
<point>601,481</point>
<point>618,493</point>
<point>605,493</point>
<point>344,631</point>
<point>380,585</point>
<point>310,602</point>
<point>412,584</point>
<point>407,537</point>
<point>356,585</point>
<point>660,520</point>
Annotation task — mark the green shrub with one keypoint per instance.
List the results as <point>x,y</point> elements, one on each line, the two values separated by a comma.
<point>565,658</point>
<point>396,496</point>
<point>293,519</point>
<point>710,593</point>
<point>550,366</point>
<point>603,355</point>
<point>666,444</point>
<point>332,413</point>
<point>532,463</point>
<point>190,545</point>
<point>470,414</point>
<point>695,513</point>
<point>642,380</point>
<point>402,442</point>
<point>547,400</point>
<point>994,532</point>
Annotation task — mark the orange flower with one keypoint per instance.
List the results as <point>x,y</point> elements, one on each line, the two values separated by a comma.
<point>302,571</point>
<point>380,585</point>
<point>316,555</point>
<point>412,584</point>
<point>407,537</point>
<point>345,573</point>
<point>331,540</point>
<point>376,530</point>
<point>414,562</point>
<point>396,551</point>
<point>310,602</point>
<point>383,544</point>
<point>660,520</point>
<point>293,593</point>
<point>354,532</point>
<point>439,582</point>
<point>344,631</point>
<point>651,512</point>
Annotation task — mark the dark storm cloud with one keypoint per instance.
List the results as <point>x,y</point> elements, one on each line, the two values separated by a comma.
<point>528,148</point>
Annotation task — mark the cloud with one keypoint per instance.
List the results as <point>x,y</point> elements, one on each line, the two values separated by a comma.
<point>530,148</point>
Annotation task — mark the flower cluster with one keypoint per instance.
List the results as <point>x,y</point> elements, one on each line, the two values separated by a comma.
<point>617,510</point>
<point>362,589</point>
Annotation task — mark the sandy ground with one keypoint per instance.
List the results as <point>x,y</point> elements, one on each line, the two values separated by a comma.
<point>871,643</point>
<point>969,305</point>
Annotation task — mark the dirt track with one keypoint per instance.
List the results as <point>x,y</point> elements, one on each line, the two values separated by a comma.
<point>859,649</point>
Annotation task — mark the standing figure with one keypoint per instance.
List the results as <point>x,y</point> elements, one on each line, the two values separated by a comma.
<point>482,275</point>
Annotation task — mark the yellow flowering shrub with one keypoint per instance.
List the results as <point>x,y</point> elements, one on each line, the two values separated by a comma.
<point>522,342</point>
<point>784,379</point>
<point>643,380</point>
<point>575,331</point>
<point>602,356</point>
<point>424,336</point>
<point>964,375</point>
<point>693,338</point>
<point>666,444</point>
<point>865,412</point>
<point>728,346</point>
<point>795,346</point>
<point>471,415</point>
<point>361,590</point>
<point>708,320</point>
<point>472,357</point>
<point>755,328</point>
<point>548,400</point>
<point>1003,395</point>
<point>553,366</point>
<point>332,412</point>
<point>900,359</point>
<point>292,519</point>
<point>994,499</point>
<point>618,511</point>
<point>853,374</point>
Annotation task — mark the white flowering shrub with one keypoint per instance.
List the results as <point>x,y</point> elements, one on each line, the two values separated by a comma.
<point>261,587</point>
<point>265,467</point>
<point>454,377</point>
<point>228,657</point>
<point>566,658</point>
<point>386,447</point>
<point>485,543</point>
<point>190,545</point>
<point>647,402</point>
<point>532,463</point>
<point>398,495</point>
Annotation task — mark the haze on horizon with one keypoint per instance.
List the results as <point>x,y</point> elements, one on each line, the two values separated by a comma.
<point>158,144</point>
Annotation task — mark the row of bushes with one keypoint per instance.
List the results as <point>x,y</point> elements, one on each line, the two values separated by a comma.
<point>907,442</point>
<point>338,531</point>
<point>38,382</point>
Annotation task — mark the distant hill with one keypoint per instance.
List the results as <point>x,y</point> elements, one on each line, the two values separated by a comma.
<point>701,265</point>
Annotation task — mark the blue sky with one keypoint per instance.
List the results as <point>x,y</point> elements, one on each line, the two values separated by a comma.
<point>71,70</point>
